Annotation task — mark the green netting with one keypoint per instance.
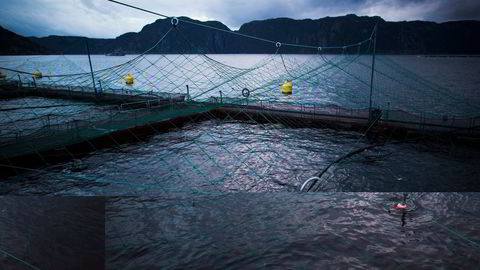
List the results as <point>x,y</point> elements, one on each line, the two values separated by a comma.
<point>332,84</point>
<point>60,135</point>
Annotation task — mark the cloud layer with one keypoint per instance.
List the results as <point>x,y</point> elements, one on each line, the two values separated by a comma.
<point>97,18</point>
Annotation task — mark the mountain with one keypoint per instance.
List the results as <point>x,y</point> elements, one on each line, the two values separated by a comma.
<point>70,44</point>
<point>185,38</point>
<point>407,37</point>
<point>12,44</point>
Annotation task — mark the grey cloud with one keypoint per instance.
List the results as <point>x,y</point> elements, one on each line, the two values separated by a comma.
<point>456,10</point>
<point>239,12</point>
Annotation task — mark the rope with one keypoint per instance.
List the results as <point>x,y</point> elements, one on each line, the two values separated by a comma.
<point>351,153</point>
<point>475,244</point>
<point>240,34</point>
<point>18,259</point>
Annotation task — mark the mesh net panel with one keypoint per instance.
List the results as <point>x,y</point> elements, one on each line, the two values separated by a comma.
<point>194,87</point>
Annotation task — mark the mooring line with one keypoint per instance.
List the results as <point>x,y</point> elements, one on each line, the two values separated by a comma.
<point>476,244</point>
<point>18,259</point>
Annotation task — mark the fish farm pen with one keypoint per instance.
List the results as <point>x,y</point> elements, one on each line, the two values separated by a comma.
<point>55,111</point>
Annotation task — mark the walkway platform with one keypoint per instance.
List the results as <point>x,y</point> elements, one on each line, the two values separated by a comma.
<point>339,118</point>
<point>116,96</point>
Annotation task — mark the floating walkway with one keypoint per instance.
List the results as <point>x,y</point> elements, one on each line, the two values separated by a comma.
<point>116,96</point>
<point>339,118</point>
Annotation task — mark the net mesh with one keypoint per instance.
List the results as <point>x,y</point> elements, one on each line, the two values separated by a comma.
<point>333,83</point>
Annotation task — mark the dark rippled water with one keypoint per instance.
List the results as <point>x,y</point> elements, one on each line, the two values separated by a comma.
<point>294,231</point>
<point>52,233</point>
<point>215,156</point>
<point>223,195</point>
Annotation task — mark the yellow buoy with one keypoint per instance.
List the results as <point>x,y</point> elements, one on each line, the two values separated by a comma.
<point>129,79</point>
<point>37,74</point>
<point>287,87</point>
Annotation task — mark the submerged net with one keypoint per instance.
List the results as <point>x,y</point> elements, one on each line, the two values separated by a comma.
<point>193,86</point>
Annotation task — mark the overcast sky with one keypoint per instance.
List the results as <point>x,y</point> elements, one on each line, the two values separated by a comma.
<point>100,18</point>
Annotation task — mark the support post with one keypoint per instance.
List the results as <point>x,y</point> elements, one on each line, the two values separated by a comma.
<point>34,82</point>
<point>91,69</point>
<point>19,80</point>
<point>221,97</point>
<point>374,37</point>
<point>188,93</point>
<point>101,89</point>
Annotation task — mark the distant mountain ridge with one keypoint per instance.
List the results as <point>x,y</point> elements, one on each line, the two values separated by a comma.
<point>413,37</point>
<point>11,43</point>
